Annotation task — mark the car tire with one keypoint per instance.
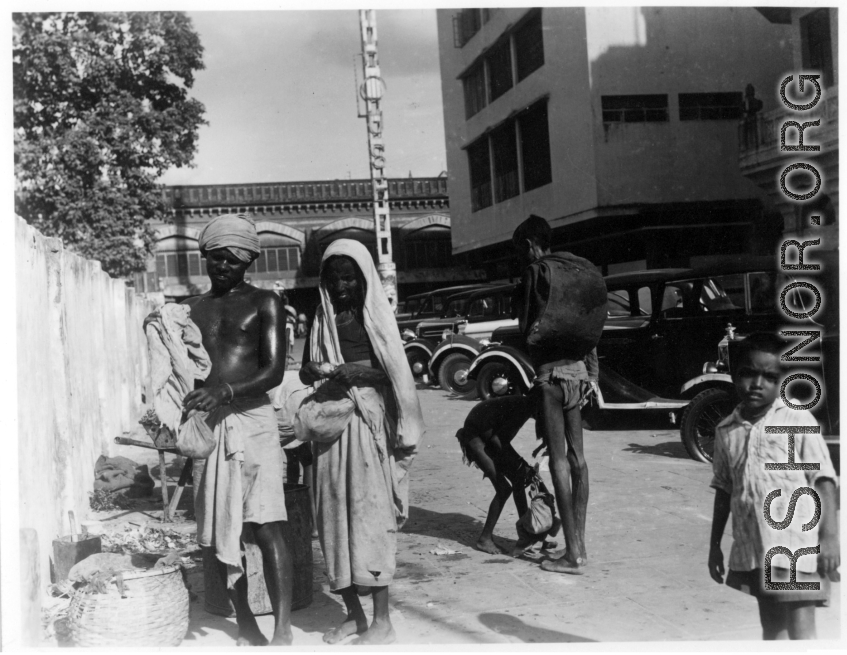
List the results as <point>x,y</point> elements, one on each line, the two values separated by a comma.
<point>450,376</point>
<point>699,420</point>
<point>417,358</point>
<point>497,379</point>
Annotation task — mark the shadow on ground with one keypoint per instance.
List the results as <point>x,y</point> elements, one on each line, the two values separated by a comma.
<point>444,525</point>
<point>664,449</point>
<point>513,626</point>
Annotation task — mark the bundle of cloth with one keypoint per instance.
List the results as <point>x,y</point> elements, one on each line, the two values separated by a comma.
<point>177,358</point>
<point>116,473</point>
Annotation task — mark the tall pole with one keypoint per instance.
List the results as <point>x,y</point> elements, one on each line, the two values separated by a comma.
<point>371,91</point>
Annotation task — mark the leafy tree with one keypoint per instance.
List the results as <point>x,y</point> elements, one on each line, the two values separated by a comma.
<point>101,110</point>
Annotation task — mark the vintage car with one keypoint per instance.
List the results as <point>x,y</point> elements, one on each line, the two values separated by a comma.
<point>503,366</point>
<point>453,341</point>
<point>430,304</point>
<point>420,346</point>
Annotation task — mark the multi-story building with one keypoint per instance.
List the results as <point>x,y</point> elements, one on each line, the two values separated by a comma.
<point>618,125</point>
<point>296,221</point>
<point>814,40</point>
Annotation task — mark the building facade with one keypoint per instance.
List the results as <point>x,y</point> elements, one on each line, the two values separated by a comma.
<point>814,44</point>
<point>618,125</point>
<point>296,221</point>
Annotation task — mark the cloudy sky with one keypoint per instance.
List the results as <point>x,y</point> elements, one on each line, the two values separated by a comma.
<point>280,96</point>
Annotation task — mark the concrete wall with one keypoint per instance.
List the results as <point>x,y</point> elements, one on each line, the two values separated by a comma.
<point>679,50</point>
<point>564,76</point>
<point>82,366</point>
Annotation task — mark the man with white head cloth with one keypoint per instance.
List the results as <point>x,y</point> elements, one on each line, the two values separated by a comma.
<point>361,478</point>
<point>241,481</point>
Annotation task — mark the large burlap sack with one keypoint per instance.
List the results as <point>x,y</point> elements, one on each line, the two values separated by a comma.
<point>570,295</point>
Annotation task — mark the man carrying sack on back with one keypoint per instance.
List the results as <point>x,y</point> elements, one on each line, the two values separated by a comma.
<point>561,308</point>
<point>241,481</point>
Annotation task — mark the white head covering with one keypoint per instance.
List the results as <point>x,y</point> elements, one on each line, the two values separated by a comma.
<point>234,231</point>
<point>381,326</point>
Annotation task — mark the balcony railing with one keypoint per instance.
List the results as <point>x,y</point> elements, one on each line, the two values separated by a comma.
<point>764,132</point>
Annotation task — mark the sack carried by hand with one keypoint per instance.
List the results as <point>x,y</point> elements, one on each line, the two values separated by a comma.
<point>318,412</point>
<point>194,437</point>
<point>538,518</point>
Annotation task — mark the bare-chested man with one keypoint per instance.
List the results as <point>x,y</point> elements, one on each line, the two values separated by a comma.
<point>243,330</point>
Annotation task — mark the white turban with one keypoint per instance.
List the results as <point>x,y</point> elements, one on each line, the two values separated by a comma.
<point>237,232</point>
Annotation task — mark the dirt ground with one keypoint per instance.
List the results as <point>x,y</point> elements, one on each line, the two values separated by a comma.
<point>649,519</point>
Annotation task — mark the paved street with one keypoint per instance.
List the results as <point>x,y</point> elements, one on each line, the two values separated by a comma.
<point>648,525</point>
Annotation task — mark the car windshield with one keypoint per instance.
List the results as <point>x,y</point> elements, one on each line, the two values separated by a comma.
<point>486,306</point>
<point>456,307</point>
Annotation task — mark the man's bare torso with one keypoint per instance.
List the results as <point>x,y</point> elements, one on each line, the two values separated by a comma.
<point>231,325</point>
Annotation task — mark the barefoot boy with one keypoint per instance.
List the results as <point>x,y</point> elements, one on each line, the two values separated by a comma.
<point>486,441</point>
<point>742,484</point>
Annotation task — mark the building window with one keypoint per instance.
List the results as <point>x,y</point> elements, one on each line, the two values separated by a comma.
<point>816,42</point>
<point>474,87</point>
<point>529,47</point>
<point>276,260</point>
<point>178,264</point>
<point>468,22</point>
<point>496,67</point>
<point>499,70</point>
<point>709,106</point>
<point>528,133</point>
<point>635,109</point>
<point>480,174</point>
<point>504,147</point>
<point>535,147</point>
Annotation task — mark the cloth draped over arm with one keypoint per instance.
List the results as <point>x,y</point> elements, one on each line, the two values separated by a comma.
<point>177,358</point>
<point>405,418</point>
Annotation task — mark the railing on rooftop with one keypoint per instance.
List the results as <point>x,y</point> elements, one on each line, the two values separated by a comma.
<point>301,192</point>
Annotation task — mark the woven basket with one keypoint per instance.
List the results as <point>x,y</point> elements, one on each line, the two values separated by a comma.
<point>153,611</point>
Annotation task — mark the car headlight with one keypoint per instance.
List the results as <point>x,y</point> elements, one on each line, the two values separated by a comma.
<point>485,342</point>
<point>462,326</point>
<point>709,367</point>
<point>407,335</point>
<point>446,334</point>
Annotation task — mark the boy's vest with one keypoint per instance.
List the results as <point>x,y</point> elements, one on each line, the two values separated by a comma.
<point>569,298</point>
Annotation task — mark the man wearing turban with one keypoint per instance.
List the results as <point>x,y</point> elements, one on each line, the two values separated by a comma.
<point>240,484</point>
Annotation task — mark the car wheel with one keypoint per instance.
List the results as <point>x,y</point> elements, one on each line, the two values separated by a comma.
<point>418,362</point>
<point>699,420</point>
<point>496,380</point>
<point>453,376</point>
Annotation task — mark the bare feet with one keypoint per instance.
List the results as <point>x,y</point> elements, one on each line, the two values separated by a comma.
<point>490,546</point>
<point>282,638</point>
<point>564,565</point>
<point>250,635</point>
<point>351,626</point>
<point>380,633</point>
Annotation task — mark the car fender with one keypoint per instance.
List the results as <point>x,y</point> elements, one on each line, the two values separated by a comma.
<point>425,345</point>
<point>452,344</point>
<point>508,355</point>
<point>706,380</point>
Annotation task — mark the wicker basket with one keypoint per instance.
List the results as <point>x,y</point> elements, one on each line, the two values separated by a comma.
<point>151,611</point>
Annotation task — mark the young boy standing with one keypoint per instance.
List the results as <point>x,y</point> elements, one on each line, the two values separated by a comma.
<point>742,484</point>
